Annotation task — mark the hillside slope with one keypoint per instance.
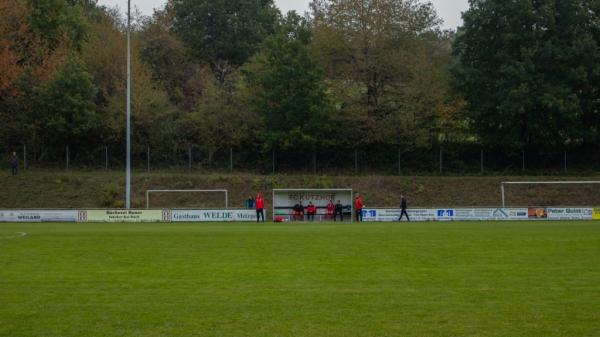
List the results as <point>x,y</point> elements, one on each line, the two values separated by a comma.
<point>96,189</point>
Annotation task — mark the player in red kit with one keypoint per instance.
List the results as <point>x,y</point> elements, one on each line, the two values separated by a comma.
<point>260,207</point>
<point>358,206</point>
<point>330,209</point>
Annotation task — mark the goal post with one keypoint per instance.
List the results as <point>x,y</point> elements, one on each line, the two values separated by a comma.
<point>285,199</point>
<point>508,183</point>
<point>149,192</point>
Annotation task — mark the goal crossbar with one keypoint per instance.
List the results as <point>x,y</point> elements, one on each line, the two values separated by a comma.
<point>572,182</point>
<point>148,192</point>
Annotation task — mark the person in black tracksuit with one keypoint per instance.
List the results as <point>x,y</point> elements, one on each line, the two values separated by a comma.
<point>14,164</point>
<point>339,209</point>
<point>404,206</point>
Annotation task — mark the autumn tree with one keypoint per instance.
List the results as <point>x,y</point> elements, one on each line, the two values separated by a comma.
<point>385,62</point>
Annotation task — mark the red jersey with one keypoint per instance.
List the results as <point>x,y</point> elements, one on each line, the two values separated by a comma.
<point>359,203</point>
<point>330,208</point>
<point>311,209</point>
<point>260,202</point>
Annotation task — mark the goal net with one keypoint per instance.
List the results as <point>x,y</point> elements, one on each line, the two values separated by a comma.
<point>183,199</point>
<point>550,193</point>
<point>284,201</point>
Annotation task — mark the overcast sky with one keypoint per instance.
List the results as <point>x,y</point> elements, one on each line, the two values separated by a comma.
<point>449,10</point>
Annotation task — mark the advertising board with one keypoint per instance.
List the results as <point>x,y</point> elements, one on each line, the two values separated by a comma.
<point>596,214</point>
<point>459,214</point>
<point>214,215</point>
<point>474,214</point>
<point>38,216</point>
<point>389,215</point>
<point>570,213</point>
<point>517,213</point>
<point>124,216</point>
<point>446,214</point>
<point>537,213</point>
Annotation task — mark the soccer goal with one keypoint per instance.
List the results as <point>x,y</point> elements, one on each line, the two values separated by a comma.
<point>284,201</point>
<point>552,193</point>
<point>218,198</point>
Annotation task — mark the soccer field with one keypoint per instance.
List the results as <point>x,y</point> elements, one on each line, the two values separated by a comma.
<point>426,279</point>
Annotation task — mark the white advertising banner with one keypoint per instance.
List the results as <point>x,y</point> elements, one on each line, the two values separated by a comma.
<point>516,213</point>
<point>114,215</point>
<point>38,216</point>
<point>214,215</point>
<point>466,214</point>
<point>388,214</point>
<point>459,214</point>
<point>570,213</point>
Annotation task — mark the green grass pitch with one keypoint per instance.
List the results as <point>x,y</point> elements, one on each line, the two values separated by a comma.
<point>427,279</point>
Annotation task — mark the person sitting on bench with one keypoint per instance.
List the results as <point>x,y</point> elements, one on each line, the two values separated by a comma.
<point>298,212</point>
<point>311,210</point>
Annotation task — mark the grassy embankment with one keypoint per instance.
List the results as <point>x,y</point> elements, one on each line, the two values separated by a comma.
<point>94,189</point>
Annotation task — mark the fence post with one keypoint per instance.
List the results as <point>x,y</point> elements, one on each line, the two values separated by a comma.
<point>399,162</point>
<point>441,159</point>
<point>314,161</point>
<point>106,158</point>
<point>189,158</point>
<point>482,167</point>
<point>24,157</point>
<point>148,157</point>
<point>230,159</point>
<point>355,162</point>
<point>67,155</point>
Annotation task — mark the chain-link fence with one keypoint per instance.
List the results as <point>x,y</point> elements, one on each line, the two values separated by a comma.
<point>446,159</point>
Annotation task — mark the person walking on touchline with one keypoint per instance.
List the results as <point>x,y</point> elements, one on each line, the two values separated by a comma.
<point>403,206</point>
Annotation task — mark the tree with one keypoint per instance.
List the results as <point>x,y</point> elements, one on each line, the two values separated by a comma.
<point>224,33</point>
<point>386,64</point>
<point>53,19</point>
<point>69,109</point>
<point>164,53</point>
<point>28,63</point>
<point>288,92</point>
<point>529,72</point>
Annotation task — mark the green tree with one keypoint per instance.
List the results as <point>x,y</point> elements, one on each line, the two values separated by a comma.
<point>529,71</point>
<point>287,88</point>
<point>224,33</point>
<point>53,19</point>
<point>69,110</point>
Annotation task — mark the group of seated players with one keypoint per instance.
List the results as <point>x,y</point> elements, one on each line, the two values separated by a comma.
<point>299,211</point>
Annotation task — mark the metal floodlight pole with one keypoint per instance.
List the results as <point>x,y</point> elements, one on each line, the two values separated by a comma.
<point>128,160</point>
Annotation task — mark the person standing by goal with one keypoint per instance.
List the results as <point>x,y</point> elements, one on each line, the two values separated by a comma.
<point>260,208</point>
<point>403,206</point>
<point>358,205</point>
